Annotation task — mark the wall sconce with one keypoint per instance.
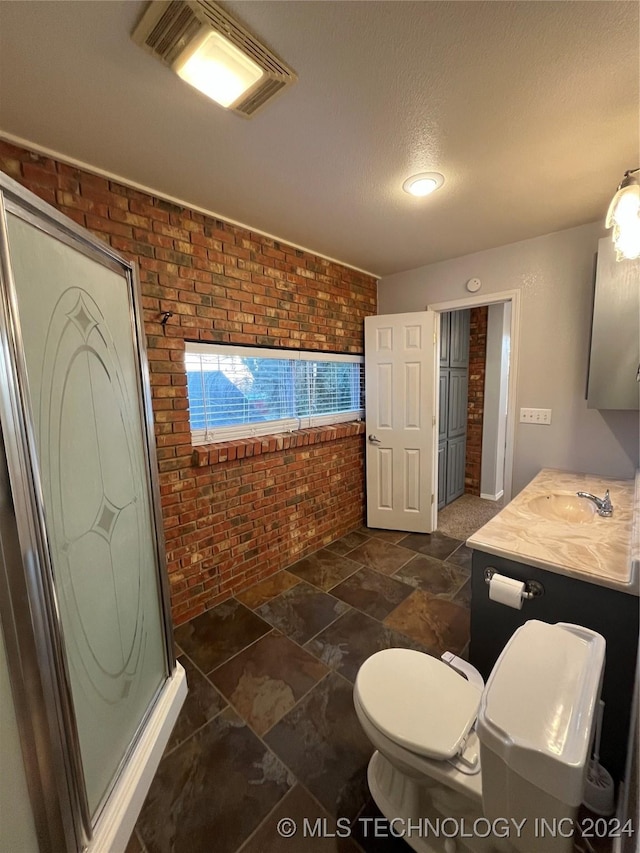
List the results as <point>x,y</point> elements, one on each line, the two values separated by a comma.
<point>624,216</point>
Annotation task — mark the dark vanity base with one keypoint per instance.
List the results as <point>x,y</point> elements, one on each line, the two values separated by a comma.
<point>611,613</point>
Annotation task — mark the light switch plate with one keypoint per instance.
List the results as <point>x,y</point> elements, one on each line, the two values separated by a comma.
<point>535,416</point>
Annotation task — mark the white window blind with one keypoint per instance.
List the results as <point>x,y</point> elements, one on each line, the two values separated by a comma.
<point>239,392</point>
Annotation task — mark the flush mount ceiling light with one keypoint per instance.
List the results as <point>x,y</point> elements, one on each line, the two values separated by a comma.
<point>423,184</point>
<point>213,52</point>
<point>624,216</point>
<point>217,68</point>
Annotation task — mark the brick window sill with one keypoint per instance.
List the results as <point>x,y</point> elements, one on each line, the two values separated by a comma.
<point>243,448</point>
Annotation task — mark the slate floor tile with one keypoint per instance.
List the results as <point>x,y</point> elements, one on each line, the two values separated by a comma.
<point>324,568</point>
<point>266,680</point>
<point>301,807</point>
<point>351,639</point>
<point>212,791</point>
<point>380,555</point>
<point>393,536</point>
<point>302,611</point>
<point>372,592</point>
<point>440,624</point>
<point>267,589</point>
<point>440,579</point>
<point>432,544</point>
<point>463,596</point>
<point>216,635</point>
<point>348,542</point>
<point>461,557</point>
<point>322,742</point>
<point>218,786</point>
<point>203,702</point>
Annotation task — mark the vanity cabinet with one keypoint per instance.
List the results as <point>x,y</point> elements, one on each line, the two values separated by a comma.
<point>610,612</point>
<point>615,333</point>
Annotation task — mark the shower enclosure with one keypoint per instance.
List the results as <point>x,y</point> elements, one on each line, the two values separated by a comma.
<point>83,595</point>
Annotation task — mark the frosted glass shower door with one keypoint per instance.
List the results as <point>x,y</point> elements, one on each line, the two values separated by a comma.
<point>75,318</point>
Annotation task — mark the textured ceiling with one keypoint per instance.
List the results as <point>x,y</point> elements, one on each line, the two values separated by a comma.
<point>529,109</point>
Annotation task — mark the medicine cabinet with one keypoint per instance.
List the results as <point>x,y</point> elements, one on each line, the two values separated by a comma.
<point>614,363</point>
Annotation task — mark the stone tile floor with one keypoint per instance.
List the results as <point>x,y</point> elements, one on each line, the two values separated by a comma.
<point>268,729</point>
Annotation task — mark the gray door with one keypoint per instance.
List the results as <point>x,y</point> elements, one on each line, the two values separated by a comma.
<point>443,414</point>
<point>455,468</point>
<point>453,392</point>
<point>459,339</point>
<point>445,332</point>
<point>442,474</point>
<point>457,403</point>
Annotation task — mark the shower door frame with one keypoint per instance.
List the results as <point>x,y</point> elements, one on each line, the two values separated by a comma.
<point>29,611</point>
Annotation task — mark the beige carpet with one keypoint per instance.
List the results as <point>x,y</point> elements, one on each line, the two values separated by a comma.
<point>466,515</point>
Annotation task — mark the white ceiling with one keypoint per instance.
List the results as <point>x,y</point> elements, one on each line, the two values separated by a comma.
<point>529,109</point>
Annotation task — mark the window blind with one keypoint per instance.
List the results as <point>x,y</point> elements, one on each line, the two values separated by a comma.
<point>239,392</point>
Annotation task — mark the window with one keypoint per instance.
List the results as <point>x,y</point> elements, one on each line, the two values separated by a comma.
<point>239,392</point>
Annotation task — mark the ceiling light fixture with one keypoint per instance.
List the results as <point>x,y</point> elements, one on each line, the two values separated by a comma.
<point>624,216</point>
<point>217,68</point>
<point>423,184</point>
<point>213,52</point>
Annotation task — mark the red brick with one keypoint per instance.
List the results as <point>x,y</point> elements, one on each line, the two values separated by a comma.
<point>233,512</point>
<point>477,356</point>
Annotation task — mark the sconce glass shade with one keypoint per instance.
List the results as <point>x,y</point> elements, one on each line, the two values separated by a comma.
<point>624,217</point>
<point>217,68</point>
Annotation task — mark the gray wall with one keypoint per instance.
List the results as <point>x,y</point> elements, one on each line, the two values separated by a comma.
<point>555,275</point>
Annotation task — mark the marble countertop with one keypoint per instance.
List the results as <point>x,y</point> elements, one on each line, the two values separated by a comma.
<point>635,532</point>
<point>603,551</point>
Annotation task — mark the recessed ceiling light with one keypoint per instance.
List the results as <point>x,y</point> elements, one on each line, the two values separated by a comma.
<point>423,184</point>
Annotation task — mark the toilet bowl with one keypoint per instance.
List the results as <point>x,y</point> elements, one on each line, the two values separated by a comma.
<point>459,766</point>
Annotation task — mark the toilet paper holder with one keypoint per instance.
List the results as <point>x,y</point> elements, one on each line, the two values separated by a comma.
<point>532,589</point>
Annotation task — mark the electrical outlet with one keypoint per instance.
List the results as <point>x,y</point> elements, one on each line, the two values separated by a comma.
<point>535,416</point>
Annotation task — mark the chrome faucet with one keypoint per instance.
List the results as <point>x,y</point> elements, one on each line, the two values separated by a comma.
<point>604,504</point>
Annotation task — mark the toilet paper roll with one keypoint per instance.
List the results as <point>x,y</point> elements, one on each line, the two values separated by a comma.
<point>506,591</point>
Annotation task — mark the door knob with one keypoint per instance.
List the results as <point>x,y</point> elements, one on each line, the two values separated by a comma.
<point>373,439</point>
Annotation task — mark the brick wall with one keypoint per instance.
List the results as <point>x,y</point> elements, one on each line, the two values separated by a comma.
<point>234,515</point>
<point>475,405</point>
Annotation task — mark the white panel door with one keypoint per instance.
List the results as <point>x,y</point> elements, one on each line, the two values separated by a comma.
<point>400,351</point>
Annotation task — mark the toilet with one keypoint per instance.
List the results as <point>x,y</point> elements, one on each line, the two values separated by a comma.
<point>462,766</point>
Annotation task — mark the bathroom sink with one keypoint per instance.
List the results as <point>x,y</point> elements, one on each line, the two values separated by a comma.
<point>561,507</point>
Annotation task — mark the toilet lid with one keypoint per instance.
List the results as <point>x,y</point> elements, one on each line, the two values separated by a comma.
<point>417,701</point>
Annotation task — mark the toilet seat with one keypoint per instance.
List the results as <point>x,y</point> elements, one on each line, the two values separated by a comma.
<point>417,701</point>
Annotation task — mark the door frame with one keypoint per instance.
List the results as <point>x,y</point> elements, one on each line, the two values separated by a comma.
<point>512,296</point>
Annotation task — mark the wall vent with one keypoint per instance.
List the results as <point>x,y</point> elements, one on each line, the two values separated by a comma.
<point>168,26</point>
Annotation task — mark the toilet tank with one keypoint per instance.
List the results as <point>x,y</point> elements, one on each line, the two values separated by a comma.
<point>535,726</point>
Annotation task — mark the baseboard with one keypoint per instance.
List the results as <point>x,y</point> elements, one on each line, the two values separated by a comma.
<point>116,823</point>
<point>492,497</point>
